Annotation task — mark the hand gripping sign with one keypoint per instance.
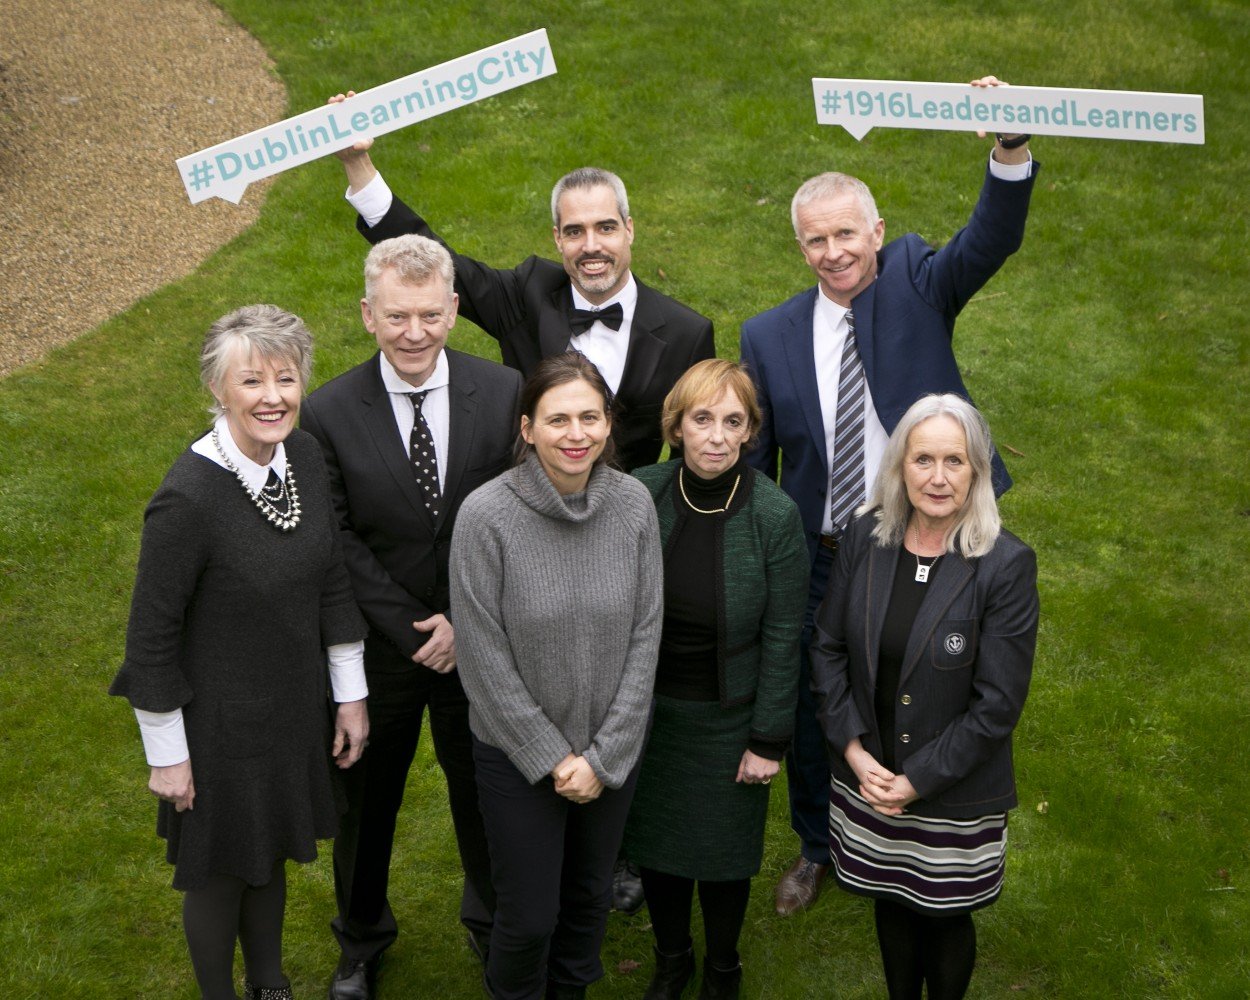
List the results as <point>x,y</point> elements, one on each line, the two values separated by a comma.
<point>225,170</point>
<point>860,105</point>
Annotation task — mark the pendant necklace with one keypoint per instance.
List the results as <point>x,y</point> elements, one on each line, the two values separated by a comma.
<point>922,569</point>
<point>278,505</point>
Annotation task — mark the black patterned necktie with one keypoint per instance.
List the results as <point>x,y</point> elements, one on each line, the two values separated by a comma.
<point>421,454</point>
<point>846,479</point>
<point>581,320</point>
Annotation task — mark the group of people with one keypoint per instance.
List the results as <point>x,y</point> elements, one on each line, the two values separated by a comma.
<point>616,655</point>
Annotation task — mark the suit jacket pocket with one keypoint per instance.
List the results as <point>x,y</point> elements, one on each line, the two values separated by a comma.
<point>246,727</point>
<point>954,644</point>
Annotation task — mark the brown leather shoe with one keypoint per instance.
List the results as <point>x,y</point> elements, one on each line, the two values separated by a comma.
<point>800,886</point>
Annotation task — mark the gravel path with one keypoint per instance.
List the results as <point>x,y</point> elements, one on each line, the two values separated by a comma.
<point>97,100</point>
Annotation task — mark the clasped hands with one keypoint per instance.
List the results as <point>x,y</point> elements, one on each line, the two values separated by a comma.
<point>888,793</point>
<point>576,780</point>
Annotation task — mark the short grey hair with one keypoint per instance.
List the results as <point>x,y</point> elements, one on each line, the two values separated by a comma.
<point>589,177</point>
<point>831,185</point>
<point>415,259</point>
<point>274,334</point>
<point>977,523</point>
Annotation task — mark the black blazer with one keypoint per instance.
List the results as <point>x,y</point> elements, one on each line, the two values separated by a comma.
<point>526,310</point>
<point>396,552</point>
<point>964,678</point>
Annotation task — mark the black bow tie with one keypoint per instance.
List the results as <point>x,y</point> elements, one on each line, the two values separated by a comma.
<point>581,320</point>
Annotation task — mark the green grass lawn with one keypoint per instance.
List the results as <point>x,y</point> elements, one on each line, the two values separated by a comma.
<point>1110,356</point>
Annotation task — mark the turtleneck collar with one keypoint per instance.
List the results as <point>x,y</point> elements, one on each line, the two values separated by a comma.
<point>532,486</point>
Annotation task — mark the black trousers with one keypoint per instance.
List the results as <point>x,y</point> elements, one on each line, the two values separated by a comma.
<point>552,863</point>
<point>365,925</point>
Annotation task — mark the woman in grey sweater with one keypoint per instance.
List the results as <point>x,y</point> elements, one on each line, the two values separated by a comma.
<point>557,595</point>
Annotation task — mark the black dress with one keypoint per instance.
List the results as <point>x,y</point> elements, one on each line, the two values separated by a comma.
<point>229,622</point>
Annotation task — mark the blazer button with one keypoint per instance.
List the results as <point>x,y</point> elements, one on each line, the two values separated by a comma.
<point>906,699</point>
<point>905,738</point>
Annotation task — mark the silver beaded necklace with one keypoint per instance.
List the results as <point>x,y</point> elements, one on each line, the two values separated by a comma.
<point>267,501</point>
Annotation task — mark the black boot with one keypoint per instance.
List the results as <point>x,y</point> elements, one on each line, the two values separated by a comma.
<point>672,973</point>
<point>720,984</point>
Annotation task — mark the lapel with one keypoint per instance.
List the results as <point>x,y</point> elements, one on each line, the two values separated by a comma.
<point>881,567</point>
<point>954,575</point>
<point>645,348</point>
<point>380,420</point>
<point>462,413</point>
<point>801,363</point>
<point>553,321</point>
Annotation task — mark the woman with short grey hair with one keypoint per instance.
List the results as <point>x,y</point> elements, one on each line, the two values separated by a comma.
<point>242,628</point>
<point>921,664</point>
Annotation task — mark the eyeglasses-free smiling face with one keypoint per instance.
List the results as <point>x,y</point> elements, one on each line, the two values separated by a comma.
<point>937,471</point>
<point>568,433</point>
<point>410,323</point>
<point>840,245</point>
<point>261,397</point>
<point>594,241</point>
<point>712,433</point>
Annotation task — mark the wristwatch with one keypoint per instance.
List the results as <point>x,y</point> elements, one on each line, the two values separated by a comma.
<point>1015,143</point>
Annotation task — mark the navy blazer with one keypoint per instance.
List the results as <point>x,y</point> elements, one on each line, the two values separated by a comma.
<point>396,552</point>
<point>965,674</point>
<point>526,309</point>
<point>904,322</point>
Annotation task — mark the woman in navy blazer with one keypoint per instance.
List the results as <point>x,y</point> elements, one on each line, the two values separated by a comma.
<point>921,665</point>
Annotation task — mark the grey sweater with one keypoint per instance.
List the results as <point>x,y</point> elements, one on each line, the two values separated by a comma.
<point>557,603</point>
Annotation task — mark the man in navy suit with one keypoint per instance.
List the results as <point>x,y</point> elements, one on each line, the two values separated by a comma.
<point>407,435</point>
<point>640,340</point>
<point>876,330</point>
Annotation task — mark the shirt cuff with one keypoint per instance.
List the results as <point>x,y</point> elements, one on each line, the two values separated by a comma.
<point>372,201</point>
<point>347,671</point>
<point>164,738</point>
<point>1003,171</point>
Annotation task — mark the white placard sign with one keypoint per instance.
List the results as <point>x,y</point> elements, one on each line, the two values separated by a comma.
<point>225,170</point>
<point>861,105</point>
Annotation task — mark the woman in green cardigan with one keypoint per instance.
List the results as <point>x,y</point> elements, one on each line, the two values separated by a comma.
<point>735,586</point>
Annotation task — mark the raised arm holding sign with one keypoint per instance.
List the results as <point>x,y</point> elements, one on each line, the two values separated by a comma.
<point>878,328</point>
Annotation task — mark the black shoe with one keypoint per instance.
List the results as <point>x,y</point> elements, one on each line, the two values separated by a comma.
<point>354,979</point>
<point>626,888</point>
<point>720,984</point>
<point>253,992</point>
<point>564,991</point>
<point>672,974</point>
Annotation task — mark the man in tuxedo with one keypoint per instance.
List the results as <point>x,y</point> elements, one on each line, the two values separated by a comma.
<point>407,435</point>
<point>642,341</point>
<point>836,367</point>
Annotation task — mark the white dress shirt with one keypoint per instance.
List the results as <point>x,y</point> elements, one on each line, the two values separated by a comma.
<point>164,736</point>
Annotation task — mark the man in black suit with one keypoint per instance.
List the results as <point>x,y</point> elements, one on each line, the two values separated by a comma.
<point>407,435</point>
<point>642,341</point>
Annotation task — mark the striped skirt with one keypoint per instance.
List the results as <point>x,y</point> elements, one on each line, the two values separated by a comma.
<point>941,866</point>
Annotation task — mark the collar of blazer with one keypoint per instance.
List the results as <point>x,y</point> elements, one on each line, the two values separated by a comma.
<point>956,574</point>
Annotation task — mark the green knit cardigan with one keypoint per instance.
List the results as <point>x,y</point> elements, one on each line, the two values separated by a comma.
<point>760,573</point>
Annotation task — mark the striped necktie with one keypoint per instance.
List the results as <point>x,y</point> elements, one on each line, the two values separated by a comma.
<point>846,480</point>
